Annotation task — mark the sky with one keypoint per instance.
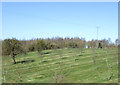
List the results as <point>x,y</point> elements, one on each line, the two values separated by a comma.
<point>28,20</point>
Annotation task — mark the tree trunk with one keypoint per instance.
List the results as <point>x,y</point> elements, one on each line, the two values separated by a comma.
<point>13,56</point>
<point>14,59</point>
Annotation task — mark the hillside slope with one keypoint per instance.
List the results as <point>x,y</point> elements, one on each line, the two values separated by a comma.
<point>63,65</point>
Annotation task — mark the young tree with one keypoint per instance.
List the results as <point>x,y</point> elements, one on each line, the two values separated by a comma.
<point>24,46</point>
<point>31,47</point>
<point>13,47</point>
<point>117,41</point>
<point>99,46</point>
<point>40,46</point>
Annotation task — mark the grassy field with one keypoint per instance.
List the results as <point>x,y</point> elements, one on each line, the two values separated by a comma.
<point>63,66</point>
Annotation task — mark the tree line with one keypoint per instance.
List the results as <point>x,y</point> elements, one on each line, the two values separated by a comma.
<point>13,46</point>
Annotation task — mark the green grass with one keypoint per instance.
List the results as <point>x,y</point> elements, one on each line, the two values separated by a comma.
<point>64,66</point>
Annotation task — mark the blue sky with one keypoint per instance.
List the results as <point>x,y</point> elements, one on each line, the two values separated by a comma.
<point>27,20</point>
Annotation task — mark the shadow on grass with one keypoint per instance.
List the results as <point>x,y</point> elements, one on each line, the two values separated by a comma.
<point>80,55</point>
<point>64,58</point>
<point>44,61</point>
<point>25,61</point>
<point>83,52</point>
<point>70,52</point>
<point>46,52</point>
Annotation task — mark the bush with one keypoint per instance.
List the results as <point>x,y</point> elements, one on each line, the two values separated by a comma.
<point>31,48</point>
<point>40,45</point>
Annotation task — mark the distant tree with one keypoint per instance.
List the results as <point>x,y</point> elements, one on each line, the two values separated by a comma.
<point>105,43</point>
<point>47,45</point>
<point>88,44</point>
<point>24,46</point>
<point>117,41</point>
<point>31,47</point>
<point>72,45</point>
<point>100,45</point>
<point>40,45</point>
<point>12,47</point>
<point>54,45</point>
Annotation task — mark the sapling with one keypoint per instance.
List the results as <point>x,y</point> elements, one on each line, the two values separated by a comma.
<point>109,66</point>
<point>59,75</point>
<point>19,74</point>
<point>40,45</point>
<point>56,72</point>
<point>6,71</point>
<point>94,61</point>
<point>4,79</point>
<point>93,55</point>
